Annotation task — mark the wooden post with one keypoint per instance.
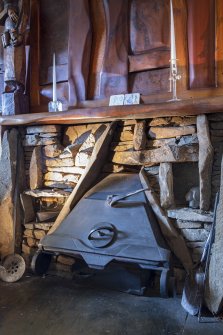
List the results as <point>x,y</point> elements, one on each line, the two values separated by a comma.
<point>140,138</point>
<point>206,153</point>
<point>166,185</point>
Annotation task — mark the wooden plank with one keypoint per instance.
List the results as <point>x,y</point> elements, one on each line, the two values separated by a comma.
<point>105,114</point>
<point>185,95</point>
<point>165,154</point>
<point>90,175</point>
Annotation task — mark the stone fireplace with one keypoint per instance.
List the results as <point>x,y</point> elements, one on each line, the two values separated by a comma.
<point>56,156</point>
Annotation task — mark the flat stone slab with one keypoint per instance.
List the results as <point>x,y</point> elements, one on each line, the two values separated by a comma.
<point>194,235</point>
<point>169,132</point>
<point>42,226</point>
<point>46,193</point>
<point>187,224</point>
<point>43,129</point>
<point>189,214</point>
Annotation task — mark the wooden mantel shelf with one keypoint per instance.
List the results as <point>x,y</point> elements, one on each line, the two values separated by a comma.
<point>103,114</point>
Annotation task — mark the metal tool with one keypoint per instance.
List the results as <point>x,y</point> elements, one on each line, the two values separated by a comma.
<point>113,199</point>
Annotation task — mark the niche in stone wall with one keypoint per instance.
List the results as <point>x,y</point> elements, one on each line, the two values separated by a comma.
<point>185,176</point>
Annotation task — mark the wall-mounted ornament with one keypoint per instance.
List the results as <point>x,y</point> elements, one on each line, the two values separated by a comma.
<point>14,16</point>
<point>55,105</point>
<point>174,76</point>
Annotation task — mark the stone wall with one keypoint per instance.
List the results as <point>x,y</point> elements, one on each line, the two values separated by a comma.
<point>56,157</point>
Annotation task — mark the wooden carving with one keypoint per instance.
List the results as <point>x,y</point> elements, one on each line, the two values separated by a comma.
<point>114,76</point>
<point>201,43</point>
<point>14,17</point>
<point>149,46</point>
<point>79,50</point>
<point>98,47</point>
<point>148,20</point>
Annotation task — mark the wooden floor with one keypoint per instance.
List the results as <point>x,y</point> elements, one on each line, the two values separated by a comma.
<point>56,306</point>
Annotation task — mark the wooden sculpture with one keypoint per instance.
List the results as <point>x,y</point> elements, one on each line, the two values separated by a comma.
<point>14,18</point>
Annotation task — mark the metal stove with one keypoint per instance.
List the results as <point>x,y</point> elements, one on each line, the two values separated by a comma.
<point>112,222</point>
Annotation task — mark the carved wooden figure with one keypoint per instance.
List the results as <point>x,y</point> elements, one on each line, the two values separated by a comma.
<point>14,17</point>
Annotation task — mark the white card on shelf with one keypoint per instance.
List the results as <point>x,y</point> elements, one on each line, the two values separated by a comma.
<point>117,100</point>
<point>132,99</point>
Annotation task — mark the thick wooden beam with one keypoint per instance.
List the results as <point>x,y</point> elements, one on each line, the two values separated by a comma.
<point>90,175</point>
<point>105,114</point>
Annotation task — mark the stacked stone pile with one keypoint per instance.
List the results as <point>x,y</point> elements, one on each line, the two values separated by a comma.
<point>194,225</point>
<point>151,142</point>
<point>32,235</point>
<point>167,140</point>
<point>55,158</point>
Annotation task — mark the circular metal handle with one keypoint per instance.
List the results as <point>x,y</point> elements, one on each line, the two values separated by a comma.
<point>101,236</point>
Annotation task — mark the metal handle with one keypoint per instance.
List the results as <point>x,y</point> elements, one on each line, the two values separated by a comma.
<point>113,199</point>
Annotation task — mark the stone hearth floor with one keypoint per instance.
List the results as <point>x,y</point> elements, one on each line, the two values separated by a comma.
<point>51,306</point>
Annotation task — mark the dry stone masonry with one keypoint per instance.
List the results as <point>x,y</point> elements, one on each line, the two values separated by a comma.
<point>56,157</point>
